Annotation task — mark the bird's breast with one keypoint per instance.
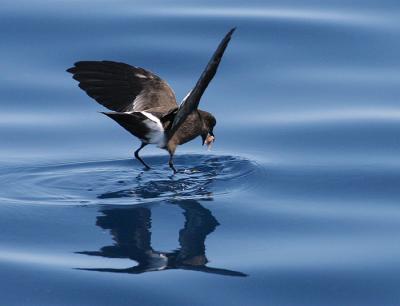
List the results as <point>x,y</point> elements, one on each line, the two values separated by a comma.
<point>190,129</point>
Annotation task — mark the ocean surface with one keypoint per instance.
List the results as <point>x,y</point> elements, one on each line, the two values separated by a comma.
<point>298,203</point>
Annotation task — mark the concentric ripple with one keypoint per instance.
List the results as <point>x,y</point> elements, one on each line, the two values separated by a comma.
<point>123,182</point>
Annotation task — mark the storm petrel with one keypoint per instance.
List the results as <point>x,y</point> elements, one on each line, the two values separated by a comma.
<point>145,105</point>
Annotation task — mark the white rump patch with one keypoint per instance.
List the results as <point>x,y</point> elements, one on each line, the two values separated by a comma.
<point>156,134</point>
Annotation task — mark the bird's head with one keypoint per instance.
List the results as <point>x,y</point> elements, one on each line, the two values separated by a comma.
<point>209,123</point>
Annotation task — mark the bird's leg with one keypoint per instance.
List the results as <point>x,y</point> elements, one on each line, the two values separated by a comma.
<point>139,158</point>
<point>171,163</point>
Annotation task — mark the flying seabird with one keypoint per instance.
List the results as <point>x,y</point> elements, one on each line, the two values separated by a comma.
<point>145,105</point>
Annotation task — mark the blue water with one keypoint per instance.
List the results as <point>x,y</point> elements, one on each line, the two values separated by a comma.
<point>297,203</point>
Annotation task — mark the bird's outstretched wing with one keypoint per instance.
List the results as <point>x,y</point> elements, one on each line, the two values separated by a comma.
<point>191,101</point>
<point>121,87</point>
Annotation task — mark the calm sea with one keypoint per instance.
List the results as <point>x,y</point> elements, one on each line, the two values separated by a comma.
<point>297,203</point>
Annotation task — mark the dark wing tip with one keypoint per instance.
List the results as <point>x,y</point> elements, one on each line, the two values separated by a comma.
<point>109,114</point>
<point>231,31</point>
<point>75,68</point>
<point>229,35</point>
<point>71,70</point>
<point>226,39</point>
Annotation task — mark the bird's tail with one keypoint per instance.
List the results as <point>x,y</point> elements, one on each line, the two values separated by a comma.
<point>143,125</point>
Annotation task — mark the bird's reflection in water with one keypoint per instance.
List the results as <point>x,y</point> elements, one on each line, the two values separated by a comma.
<point>131,231</point>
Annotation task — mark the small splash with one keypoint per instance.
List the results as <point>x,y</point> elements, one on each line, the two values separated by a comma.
<point>124,182</point>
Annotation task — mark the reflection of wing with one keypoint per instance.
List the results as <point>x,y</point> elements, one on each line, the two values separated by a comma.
<point>131,231</point>
<point>199,223</point>
<point>214,270</point>
<point>134,270</point>
<point>140,269</point>
<point>191,101</point>
<point>121,87</point>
